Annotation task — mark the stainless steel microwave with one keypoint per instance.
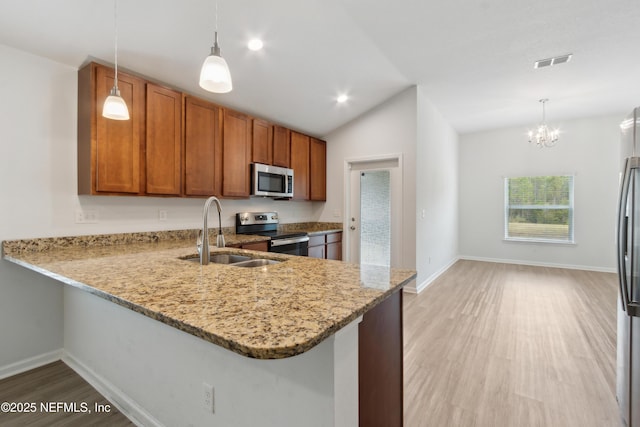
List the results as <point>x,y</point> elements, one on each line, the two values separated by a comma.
<point>271,181</point>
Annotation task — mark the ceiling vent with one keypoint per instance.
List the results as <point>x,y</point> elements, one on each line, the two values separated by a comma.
<point>552,61</point>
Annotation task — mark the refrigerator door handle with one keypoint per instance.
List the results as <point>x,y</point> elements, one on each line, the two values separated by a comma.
<point>629,307</point>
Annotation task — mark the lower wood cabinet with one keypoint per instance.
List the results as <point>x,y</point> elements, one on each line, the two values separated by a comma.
<point>326,246</point>
<point>380,364</point>
<point>254,246</point>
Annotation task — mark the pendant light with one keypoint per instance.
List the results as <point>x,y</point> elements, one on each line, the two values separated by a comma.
<point>214,75</point>
<point>114,106</point>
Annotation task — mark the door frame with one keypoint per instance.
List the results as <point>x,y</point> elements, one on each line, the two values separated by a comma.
<point>393,162</point>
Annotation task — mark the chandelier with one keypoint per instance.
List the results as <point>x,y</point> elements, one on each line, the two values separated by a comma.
<point>543,136</point>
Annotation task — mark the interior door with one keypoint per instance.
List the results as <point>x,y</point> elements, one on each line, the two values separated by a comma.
<point>374,213</point>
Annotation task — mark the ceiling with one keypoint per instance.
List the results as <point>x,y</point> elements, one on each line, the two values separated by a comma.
<point>473,58</point>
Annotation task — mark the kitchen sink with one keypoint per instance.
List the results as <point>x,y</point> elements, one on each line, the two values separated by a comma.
<point>235,260</point>
<point>258,262</point>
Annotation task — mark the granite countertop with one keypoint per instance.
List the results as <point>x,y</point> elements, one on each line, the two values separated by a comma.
<point>270,312</point>
<point>313,228</point>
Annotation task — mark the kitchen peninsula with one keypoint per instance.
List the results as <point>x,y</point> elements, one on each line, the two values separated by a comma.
<point>141,318</point>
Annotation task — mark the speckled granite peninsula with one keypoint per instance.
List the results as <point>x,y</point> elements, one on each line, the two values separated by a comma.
<point>269,312</point>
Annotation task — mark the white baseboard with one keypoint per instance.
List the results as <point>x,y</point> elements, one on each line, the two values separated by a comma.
<point>540,264</point>
<point>422,286</point>
<point>130,408</point>
<point>30,363</point>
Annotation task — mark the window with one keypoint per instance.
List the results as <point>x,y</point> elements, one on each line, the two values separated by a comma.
<point>539,208</point>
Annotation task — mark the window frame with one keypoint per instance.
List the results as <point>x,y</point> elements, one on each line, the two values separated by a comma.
<point>571,208</point>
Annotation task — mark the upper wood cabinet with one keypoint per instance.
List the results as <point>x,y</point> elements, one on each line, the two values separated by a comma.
<point>236,154</point>
<point>164,141</point>
<point>202,148</point>
<point>317,170</point>
<point>109,151</point>
<point>281,146</point>
<point>179,145</point>
<point>262,142</point>
<point>300,165</point>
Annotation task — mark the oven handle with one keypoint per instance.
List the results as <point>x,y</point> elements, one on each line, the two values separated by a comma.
<point>282,242</point>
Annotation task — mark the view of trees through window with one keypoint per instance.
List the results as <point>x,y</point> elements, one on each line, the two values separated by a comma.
<point>539,208</point>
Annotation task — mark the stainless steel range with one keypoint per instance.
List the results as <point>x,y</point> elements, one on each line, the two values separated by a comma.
<point>266,224</point>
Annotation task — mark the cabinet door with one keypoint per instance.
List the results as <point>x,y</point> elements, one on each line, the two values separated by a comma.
<point>281,146</point>
<point>334,251</point>
<point>318,170</point>
<point>163,142</point>
<point>300,165</point>
<point>202,151</point>
<point>334,246</point>
<point>236,154</point>
<point>118,143</point>
<point>262,142</point>
<point>257,246</point>
<point>317,251</point>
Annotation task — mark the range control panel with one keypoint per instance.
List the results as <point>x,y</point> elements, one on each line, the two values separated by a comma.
<point>251,218</point>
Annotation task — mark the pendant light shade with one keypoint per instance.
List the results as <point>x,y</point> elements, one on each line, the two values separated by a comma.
<point>114,106</point>
<point>215,75</point>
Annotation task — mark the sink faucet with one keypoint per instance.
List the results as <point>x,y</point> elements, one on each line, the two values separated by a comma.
<point>203,235</point>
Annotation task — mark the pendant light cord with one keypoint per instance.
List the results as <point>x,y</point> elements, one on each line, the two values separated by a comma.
<point>115,24</point>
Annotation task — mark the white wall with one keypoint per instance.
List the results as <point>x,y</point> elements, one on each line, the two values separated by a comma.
<point>437,193</point>
<point>588,148</point>
<point>387,129</point>
<point>38,119</point>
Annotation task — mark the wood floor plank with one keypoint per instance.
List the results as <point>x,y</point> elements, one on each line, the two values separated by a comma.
<point>492,344</point>
<point>47,386</point>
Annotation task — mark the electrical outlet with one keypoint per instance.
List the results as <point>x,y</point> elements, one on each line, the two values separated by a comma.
<point>86,217</point>
<point>208,398</point>
<point>162,215</point>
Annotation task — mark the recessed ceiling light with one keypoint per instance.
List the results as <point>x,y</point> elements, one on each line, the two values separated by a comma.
<point>342,99</point>
<point>255,44</point>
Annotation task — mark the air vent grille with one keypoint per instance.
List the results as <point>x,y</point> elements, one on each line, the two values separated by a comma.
<point>552,61</point>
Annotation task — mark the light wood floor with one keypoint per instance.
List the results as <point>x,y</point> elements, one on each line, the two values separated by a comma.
<point>493,345</point>
<point>55,382</point>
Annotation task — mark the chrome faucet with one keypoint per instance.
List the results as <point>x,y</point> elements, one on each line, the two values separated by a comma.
<point>203,235</point>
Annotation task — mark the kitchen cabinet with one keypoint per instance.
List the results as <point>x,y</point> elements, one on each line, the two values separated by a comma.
<point>163,148</point>
<point>317,246</point>
<point>380,364</point>
<point>236,154</point>
<point>281,146</point>
<point>253,246</point>
<point>178,145</point>
<point>326,245</point>
<point>334,246</point>
<point>262,142</point>
<point>317,170</point>
<point>109,151</point>
<point>202,148</point>
<point>300,165</point>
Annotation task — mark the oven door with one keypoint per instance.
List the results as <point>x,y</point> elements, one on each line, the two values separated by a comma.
<point>291,246</point>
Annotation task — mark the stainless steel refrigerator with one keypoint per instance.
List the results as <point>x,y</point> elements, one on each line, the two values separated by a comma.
<point>628,242</point>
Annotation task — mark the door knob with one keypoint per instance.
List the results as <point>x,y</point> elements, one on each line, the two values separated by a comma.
<point>352,227</point>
